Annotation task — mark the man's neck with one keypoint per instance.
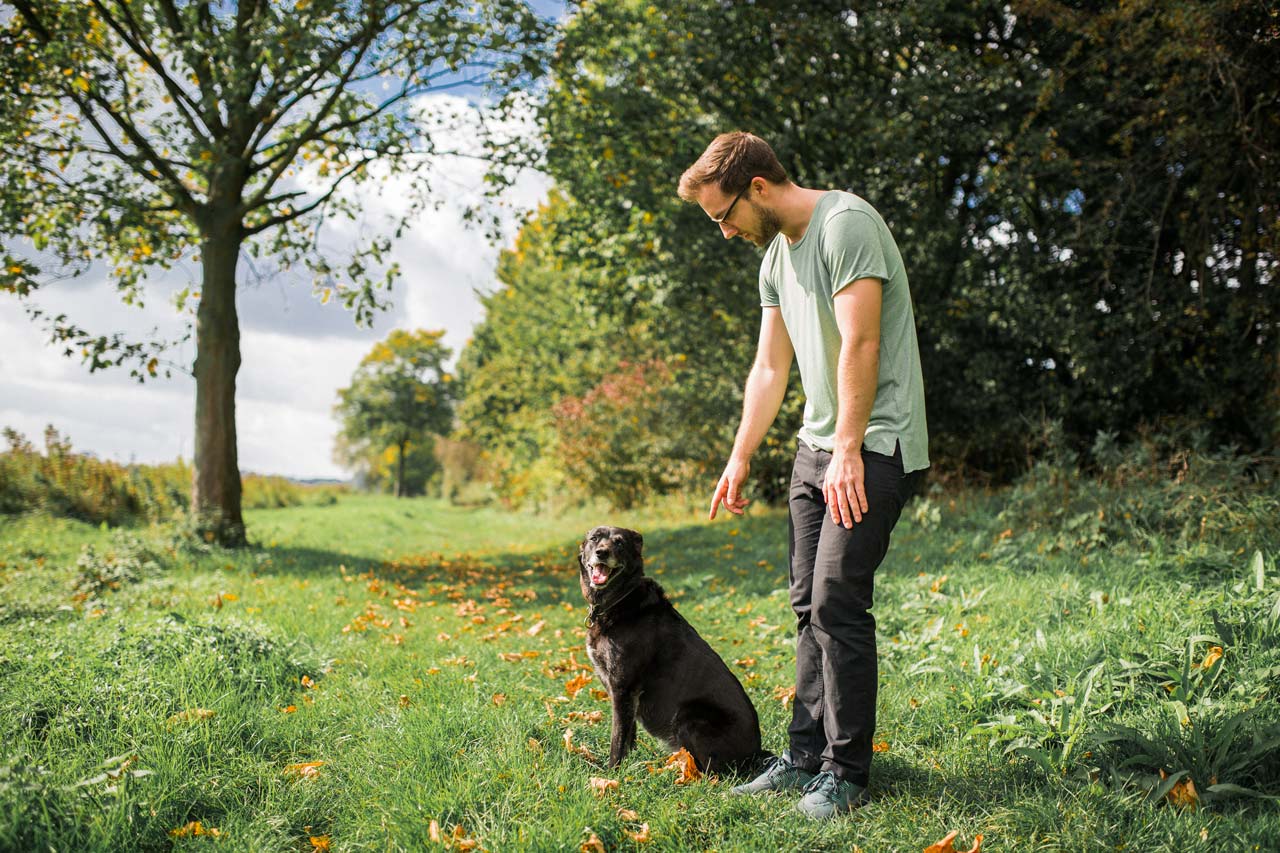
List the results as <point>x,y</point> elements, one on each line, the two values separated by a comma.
<point>795,208</point>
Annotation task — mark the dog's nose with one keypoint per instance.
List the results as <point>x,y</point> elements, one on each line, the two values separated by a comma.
<point>602,552</point>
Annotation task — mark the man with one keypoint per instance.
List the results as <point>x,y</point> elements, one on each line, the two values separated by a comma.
<point>834,295</point>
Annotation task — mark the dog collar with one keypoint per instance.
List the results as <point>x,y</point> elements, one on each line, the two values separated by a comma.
<point>595,611</point>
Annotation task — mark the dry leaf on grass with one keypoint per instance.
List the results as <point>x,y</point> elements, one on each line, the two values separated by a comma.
<point>578,750</point>
<point>785,695</point>
<point>190,715</point>
<point>600,785</point>
<point>592,844</point>
<point>627,814</point>
<point>320,842</point>
<point>686,767</point>
<point>305,770</point>
<point>192,829</point>
<point>945,845</point>
<point>574,685</point>
<point>1183,794</point>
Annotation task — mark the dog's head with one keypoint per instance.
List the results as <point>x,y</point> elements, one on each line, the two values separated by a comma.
<point>608,557</point>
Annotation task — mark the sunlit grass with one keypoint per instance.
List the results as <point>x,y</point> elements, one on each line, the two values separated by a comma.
<point>425,655</point>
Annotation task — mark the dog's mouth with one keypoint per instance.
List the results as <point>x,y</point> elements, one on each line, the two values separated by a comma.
<point>598,574</point>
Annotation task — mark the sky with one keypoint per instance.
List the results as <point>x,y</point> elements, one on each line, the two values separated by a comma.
<point>295,351</point>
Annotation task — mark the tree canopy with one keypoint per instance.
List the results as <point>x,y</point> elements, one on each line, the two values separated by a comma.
<point>1085,196</point>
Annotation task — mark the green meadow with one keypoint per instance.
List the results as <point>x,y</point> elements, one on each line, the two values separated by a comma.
<point>382,674</point>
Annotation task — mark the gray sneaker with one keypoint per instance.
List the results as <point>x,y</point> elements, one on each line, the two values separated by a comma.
<point>779,774</point>
<point>826,796</point>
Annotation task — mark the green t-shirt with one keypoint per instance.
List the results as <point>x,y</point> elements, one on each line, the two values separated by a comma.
<point>847,240</point>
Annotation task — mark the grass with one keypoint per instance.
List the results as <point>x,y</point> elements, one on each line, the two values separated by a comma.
<point>369,635</point>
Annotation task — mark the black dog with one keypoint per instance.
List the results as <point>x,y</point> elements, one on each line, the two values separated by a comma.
<point>656,667</point>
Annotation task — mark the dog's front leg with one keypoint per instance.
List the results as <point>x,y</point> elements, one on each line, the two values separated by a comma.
<point>624,726</point>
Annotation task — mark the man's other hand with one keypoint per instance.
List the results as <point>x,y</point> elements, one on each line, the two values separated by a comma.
<point>729,489</point>
<point>843,488</point>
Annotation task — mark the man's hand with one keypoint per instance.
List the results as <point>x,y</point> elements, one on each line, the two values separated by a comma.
<point>729,489</point>
<point>843,488</point>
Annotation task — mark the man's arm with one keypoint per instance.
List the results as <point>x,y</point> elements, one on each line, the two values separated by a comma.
<point>857,308</point>
<point>766,387</point>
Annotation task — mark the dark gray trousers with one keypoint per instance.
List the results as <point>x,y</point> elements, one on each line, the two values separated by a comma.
<point>832,574</point>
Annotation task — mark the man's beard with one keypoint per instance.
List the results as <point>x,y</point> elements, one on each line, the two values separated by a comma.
<point>770,224</point>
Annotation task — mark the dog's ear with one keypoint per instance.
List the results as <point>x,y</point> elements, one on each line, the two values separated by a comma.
<point>637,544</point>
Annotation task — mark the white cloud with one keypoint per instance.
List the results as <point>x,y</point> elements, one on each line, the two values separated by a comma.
<point>296,353</point>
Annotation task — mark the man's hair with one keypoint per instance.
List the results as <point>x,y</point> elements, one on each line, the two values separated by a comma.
<point>730,162</point>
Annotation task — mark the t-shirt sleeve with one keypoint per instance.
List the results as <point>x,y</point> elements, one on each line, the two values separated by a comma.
<point>768,293</point>
<point>852,249</point>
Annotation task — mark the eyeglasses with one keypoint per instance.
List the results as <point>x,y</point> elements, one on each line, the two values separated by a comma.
<point>732,205</point>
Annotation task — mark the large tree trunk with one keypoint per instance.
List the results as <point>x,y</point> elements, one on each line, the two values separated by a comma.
<point>215,488</point>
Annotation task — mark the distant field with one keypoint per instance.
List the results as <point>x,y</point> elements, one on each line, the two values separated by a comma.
<point>399,675</point>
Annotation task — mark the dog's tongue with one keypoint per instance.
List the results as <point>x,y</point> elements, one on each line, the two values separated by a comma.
<point>598,575</point>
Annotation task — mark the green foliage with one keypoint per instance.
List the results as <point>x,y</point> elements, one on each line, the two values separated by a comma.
<point>1084,243</point>
<point>138,133</point>
<point>399,398</point>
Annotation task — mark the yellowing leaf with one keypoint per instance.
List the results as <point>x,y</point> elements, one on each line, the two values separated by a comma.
<point>575,684</point>
<point>785,695</point>
<point>627,814</point>
<point>320,842</point>
<point>640,836</point>
<point>600,785</point>
<point>592,844</point>
<point>305,770</point>
<point>189,716</point>
<point>686,767</point>
<point>1213,656</point>
<point>192,829</point>
<point>945,845</point>
<point>882,746</point>
<point>499,698</point>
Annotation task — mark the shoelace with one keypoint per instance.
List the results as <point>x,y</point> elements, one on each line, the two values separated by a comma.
<point>824,783</point>
<point>776,765</point>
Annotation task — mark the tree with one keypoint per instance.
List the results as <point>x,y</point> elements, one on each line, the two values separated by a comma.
<point>399,396</point>
<point>1083,240</point>
<point>140,132</point>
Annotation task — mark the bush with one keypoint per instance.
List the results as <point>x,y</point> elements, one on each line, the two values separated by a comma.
<point>80,486</point>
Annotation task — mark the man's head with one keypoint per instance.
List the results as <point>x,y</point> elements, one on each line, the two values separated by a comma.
<point>733,181</point>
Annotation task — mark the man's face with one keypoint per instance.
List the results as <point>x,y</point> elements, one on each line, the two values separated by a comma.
<point>740,215</point>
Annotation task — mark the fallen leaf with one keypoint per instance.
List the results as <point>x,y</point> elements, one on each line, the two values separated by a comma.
<point>685,766</point>
<point>599,694</point>
<point>189,716</point>
<point>945,845</point>
<point>535,745</point>
<point>785,695</point>
<point>320,842</point>
<point>1212,657</point>
<point>577,750</point>
<point>536,628</point>
<point>433,831</point>
<point>289,709</point>
<point>192,829</point>
<point>745,662</point>
<point>499,698</point>
<point>627,814</point>
<point>307,682</point>
<point>404,701</point>
<point>882,746</point>
<point>575,684</point>
<point>305,770</point>
<point>640,836</point>
<point>593,844</point>
<point>600,786</point>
